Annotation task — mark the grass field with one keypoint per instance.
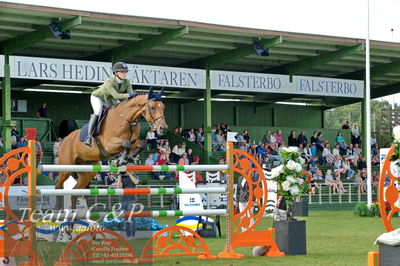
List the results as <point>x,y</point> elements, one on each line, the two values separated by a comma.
<point>333,238</point>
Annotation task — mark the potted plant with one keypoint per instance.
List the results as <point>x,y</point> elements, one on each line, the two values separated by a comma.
<point>292,182</point>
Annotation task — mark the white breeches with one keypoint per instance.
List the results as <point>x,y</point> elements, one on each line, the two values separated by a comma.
<point>97,104</point>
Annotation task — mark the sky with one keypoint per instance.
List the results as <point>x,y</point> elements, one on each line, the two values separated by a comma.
<point>344,18</point>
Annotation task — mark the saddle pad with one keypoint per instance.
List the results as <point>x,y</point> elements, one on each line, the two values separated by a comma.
<point>84,130</point>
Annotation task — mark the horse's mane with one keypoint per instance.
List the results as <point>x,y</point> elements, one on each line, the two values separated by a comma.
<point>127,100</point>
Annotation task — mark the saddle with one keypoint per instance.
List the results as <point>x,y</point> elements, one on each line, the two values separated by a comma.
<point>84,130</point>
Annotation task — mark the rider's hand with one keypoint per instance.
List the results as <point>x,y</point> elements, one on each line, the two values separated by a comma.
<point>132,94</point>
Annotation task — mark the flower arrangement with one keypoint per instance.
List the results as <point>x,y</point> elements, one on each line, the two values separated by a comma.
<point>292,180</point>
<point>396,155</point>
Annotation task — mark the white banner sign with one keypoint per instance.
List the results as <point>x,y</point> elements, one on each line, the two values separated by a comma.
<point>18,198</point>
<point>97,72</point>
<point>270,83</point>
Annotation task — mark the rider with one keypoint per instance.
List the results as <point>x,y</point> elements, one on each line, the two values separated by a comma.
<point>115,88</point>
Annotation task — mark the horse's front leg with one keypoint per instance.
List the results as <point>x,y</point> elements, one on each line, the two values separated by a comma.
<point>137,147</point>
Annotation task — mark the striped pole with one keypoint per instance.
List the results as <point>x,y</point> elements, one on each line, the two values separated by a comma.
<point>127,191</point>
<point>99,215</point>
<point>132,168</point>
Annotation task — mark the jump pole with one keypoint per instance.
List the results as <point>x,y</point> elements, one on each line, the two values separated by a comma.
<point>127,191</point>
<point>132,168</point>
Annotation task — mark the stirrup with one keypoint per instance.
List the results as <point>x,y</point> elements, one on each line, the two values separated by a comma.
<point>88,141</point>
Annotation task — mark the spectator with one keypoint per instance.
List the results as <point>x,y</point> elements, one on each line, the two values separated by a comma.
<point>375,178</point>
<point>242,144</point>
<point>265,164</point>
<point>261,150</point>
<point>266,139</point>
<point>149,160</point>
<point>22,142</point>
<point>362,165</point>
<point>190,156</point>
<point>302,139</point>
<point>178,150</point>
<point>274,144</point>
<point>183,160</point>
<point>56,147</point>
<point>360,179</point>
<point>191,135</point>
<point>111,180</point>
<point>313,165</point>
<point>162,160</point>
<point>374,143</point>
<point>338,167</point>
<point>346,125</point>
<point>292,140</point>
<point>355,135</point>
<point>340,141</point>
<point>320,141</point>
<point>279,138</point>
<point>39,151</point>
<point>331,182</point>
<point>42,112</point>
<point>327,155</point>
<point>375,159</point>
<point>351,155</point>
<point>200,136</point>
<point>151,139</point>
<point>335,150</point>
<point>246,136</point>
<point>307,153</point>
<point>220,138</point>
<point>346,165</point>
<point>357,150</point>
<point>313,149</point>
<point>165,147</point>
<point>128,180</point>
<point>314,137</point>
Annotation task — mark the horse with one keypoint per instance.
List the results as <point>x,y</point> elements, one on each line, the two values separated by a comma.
<point>118,135</point>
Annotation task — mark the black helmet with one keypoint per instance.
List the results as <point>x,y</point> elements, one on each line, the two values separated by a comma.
<point>120,66</point>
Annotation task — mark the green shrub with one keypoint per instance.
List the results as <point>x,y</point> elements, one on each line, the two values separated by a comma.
<point>361,209</point>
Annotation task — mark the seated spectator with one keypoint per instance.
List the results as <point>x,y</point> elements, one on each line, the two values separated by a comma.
<point>357,150</point>
<point>331,182</point>
<point>327,155</point>
<point>149,160</point>
<point>170,160</point>
<point>335,150</point>
<point>313,149</point>
<point>274,144</point>
<point>14,137</point>
<point>183,160</point>
<point>162,160</point>
<point>22,142</point>
<point>361,179</point>
<point>200,136</point>
<point>340,141</point>
<point>302,139</point>
<point>111,180</point>
<point>220,138</point>
<point>375,179</point>
<point>301,150</point>
<point>313,165</point>
<point>346,165</point>
<point>375,158</point>
<point>178,150</point>
<point>338,167</point>
<point>222,127</point>
<point>374,143</point>
<point>314,137</point>
<point>314,184</point>
<point>39,151</point>
<point>56,147</point>
<point>320,141</point>
<point>362,165</point>
<point>351,155</point>
<point>242,144</point>
<point>355,135</point>
<point>278,137</point>
<point>346,125</point>
<point>266,139</point>
<point>151,139</point>
<point>190,156</point>
<point>261,150</point>
<point>246,136</point>
<point>191,135</point>
<point>165,147</point>
<point>265,164</point>
<point>307,153</point>
<point>292,139</point>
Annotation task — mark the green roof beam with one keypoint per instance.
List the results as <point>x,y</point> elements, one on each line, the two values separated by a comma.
<point>376,72</point>
<point>17,43</point>
<point>309,63</point>
<point>133,48</point>
<point>385,90</point>
<point>223,58</point>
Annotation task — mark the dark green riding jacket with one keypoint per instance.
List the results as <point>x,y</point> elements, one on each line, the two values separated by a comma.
<point>110,91</point>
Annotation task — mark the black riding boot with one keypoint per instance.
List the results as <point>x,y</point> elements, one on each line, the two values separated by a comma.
<point>91,127</point>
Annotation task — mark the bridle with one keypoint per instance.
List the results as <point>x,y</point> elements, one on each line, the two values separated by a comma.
<point>153,123</point>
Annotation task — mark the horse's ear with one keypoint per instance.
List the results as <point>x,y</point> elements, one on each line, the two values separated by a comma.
<point>151,94</point>
<point>158,96</point>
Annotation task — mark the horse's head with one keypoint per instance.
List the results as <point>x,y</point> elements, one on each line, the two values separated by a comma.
<point>154,113</point>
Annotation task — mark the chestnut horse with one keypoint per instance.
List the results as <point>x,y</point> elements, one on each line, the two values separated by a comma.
<point>119,134</point>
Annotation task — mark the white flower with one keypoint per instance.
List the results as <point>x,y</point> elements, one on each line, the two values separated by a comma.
<point>396,133</point>
<point>285,185</point>
<point>291,179</point>
<point>285,149</point>
<point>300,181</point>
<point>302,161</point>
<point>294,190</point>
<point>299,168</point>
<point>276,171</point>
<point>292,165</point>
<point>293,149</point>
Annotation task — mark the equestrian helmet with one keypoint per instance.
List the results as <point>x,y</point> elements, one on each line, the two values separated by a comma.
<point>120,66</point>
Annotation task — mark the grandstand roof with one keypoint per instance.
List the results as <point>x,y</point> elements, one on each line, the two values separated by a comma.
<point>164,42</point>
